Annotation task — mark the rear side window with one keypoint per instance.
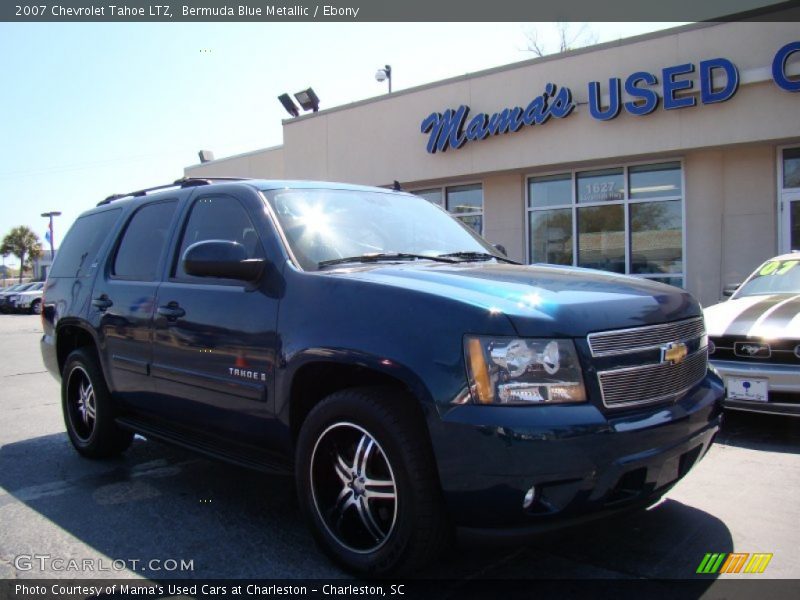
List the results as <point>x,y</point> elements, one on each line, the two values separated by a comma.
<point>143,242</point>
<point>219,218</point>
<point>78,251</point>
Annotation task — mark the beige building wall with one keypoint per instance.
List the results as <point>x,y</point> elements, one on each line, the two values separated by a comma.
<point>267,164</point>
<point>730,215</point>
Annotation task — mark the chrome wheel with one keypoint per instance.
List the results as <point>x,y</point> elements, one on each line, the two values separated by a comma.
<point>81,403</point>
<point>353,487</point>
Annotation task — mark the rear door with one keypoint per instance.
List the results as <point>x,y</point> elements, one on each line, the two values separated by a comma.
<point>123,301</point>
<point>215,339</point>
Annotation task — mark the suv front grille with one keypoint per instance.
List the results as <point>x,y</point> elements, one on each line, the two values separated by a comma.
<point>639,339</point>
<point>652,383</point>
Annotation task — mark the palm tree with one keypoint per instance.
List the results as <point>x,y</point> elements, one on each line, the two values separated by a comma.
<point>23,243</point>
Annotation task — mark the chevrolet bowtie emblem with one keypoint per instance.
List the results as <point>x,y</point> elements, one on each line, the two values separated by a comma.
<point>674,352</point>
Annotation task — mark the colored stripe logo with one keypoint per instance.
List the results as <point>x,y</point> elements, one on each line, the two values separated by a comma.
<point>735,562</point>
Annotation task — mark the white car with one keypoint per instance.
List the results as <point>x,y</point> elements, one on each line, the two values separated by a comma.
<point>754,339</point>
<point>28,300</point>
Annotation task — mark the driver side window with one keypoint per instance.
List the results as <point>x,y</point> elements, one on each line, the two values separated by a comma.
<point>218,218</point>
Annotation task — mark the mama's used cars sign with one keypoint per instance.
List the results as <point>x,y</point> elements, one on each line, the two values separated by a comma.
<point>453,128</point>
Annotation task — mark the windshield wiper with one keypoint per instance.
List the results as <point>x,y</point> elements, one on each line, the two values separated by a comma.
<point>478,256</point>
<point>383,256</point>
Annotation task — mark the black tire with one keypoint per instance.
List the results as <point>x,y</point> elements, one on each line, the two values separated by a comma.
<point>88,409</point>
<point>358,525</point>
<point>36,307</point>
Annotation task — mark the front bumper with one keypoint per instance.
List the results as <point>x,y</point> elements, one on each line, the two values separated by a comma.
<point>784,386</point>
<point>579,460</point>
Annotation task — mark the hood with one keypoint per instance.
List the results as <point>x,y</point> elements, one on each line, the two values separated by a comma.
<point>772,316</point>
<point>540,299</point>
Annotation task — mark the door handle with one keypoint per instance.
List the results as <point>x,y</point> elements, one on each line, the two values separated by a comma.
<point>171,311</point>
<point>102,303</point>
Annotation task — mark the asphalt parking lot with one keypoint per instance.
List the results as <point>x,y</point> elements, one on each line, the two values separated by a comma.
<point>161,503</point>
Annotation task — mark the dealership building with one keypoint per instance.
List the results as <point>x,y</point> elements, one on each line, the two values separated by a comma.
<point>673,156</point>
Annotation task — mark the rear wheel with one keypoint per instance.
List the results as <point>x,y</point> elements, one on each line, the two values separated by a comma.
<point>367,482</point>
<point>88,410</point>
<point>36,307</point>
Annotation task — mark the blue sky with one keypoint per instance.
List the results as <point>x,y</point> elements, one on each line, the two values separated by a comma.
<point>95,109</point>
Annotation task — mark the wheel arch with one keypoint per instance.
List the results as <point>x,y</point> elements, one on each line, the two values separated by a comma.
<point>315,375</point>
<point>72,335</point>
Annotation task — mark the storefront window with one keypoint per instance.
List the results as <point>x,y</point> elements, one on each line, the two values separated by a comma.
<point>601,186</point>
<point>791,168</point>
<point>656,237</point>
<point>552,190</point>
<point>434,196</point>
<point>635,228</point>
<point>464,202</point>
<point>601,238</point>
<point>551,236</point>
<point>655,181</point>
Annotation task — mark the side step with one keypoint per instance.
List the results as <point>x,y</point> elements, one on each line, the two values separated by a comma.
<point>258,460</point>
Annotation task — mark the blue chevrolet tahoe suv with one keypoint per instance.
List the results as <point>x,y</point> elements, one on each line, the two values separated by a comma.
<point>412,377</point>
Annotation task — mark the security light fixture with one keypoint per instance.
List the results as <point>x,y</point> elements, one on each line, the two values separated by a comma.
<point>308,99</point>
<point>205,156</point>
<point>290,106</point>
<point>385,74</point>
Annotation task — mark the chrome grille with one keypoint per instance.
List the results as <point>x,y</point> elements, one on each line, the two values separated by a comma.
<point>648,384</point>
<point>638,339</point>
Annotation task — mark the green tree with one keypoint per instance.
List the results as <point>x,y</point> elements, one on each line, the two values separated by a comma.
<point>23,243</point>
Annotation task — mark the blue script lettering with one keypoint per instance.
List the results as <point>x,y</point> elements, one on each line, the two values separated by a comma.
<point>446,130</point>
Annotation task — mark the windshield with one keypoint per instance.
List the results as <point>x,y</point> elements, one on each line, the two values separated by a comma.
<point>326,225</point>
<point>773,277</point>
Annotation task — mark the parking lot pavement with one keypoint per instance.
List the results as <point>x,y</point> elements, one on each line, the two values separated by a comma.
<point>159,503</point>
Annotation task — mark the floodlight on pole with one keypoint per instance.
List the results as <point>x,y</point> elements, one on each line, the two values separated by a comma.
<point>307,99</point>
<point>290,106</point>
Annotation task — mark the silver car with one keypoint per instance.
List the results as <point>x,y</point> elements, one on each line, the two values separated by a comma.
<point>754,339</point>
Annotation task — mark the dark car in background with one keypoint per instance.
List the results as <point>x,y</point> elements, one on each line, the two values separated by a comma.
<point>6,294</point>
<point>410,376</point>
<point>755,339</point>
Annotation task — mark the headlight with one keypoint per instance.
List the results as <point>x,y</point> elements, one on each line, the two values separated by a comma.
<point>523,371</point>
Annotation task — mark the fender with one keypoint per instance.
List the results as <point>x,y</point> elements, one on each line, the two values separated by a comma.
<point>290,365</point>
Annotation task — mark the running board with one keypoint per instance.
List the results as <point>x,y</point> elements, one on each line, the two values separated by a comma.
<point>262,461</point>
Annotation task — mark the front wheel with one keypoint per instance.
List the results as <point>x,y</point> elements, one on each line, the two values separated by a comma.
<point>88,409</point>
<point>367,482</point>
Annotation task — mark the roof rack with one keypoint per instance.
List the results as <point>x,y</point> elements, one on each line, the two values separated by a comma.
<point>183,182</point>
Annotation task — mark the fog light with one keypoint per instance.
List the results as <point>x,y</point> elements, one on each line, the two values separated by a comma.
<point>712,347</point>
<point>529,497</point>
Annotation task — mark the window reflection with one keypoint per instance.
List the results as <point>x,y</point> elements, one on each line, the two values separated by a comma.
<point>551,236</point>
<point>601,238</point>
<point>656,237</point>
<point>655,181</point>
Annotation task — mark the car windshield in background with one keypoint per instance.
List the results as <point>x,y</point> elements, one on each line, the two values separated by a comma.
<point>773,277</point>
<point>331,226</point>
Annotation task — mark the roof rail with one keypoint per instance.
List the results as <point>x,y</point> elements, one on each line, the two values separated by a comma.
<point>183,182</point>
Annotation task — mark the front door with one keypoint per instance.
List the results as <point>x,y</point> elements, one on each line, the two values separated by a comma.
<point>215,339</point>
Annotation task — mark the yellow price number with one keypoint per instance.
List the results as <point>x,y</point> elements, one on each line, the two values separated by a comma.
<point>777,267</point>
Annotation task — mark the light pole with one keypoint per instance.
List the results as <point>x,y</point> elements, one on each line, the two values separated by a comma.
<point>51,214</point>
<point>385,74</point>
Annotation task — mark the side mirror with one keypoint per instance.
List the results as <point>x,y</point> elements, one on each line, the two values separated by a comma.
<point>730,289</point>
<point>221,258</point>
<point>500,248</point>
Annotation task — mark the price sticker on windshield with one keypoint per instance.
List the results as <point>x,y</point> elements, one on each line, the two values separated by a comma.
<point>777,267</point>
